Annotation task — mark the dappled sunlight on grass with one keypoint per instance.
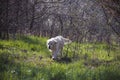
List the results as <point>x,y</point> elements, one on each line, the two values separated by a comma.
<point>27,58</point>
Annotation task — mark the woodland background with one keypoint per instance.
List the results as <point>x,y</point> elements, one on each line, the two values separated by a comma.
<point>79,20</point>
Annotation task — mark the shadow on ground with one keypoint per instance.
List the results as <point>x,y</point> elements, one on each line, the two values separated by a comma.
<point>64,60</point>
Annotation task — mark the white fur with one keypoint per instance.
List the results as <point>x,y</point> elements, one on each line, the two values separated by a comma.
<point>56,44</point>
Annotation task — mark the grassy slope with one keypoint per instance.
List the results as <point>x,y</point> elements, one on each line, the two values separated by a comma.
<point>27,58</point>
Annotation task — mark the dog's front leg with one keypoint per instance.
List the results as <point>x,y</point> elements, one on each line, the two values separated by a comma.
<point>54,55</point>
<point>56,52</point>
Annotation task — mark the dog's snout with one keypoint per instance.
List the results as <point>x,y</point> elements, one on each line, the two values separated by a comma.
<point>49,47</point>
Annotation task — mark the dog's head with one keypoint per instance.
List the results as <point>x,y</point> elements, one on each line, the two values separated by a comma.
<point>51,44</point>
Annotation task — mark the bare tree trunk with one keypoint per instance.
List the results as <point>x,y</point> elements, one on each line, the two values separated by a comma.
<point>33,15</point>
<point>6,32</point>
<point>61,25</point>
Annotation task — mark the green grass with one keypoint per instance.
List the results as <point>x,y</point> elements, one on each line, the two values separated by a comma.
<point>27,58</point>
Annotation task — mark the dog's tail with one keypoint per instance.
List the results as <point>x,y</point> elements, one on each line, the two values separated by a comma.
<point>67,41</point>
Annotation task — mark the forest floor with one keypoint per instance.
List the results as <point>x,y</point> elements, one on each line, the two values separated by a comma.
<point>27,58</point>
